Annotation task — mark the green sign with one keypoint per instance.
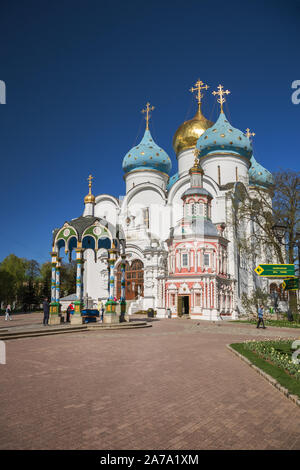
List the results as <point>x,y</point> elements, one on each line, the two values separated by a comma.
<point>275,270</point>
<point>291,284</point>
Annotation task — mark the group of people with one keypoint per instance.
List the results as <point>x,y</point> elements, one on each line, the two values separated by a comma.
<point>46,308</point>
<point>100,306</point>
<point>70,311</point>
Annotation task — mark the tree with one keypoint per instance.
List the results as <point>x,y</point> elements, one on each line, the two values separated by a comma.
<point>252,302</point>
<point>263,209</point>
<point>68,278</point>
<point>30,292</point>
<point>7,287</point>
<point>45,280</point>
<point>15,269</point>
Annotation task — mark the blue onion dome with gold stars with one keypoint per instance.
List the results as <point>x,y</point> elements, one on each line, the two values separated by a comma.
<point>259,176</point>
<point>222,137</point>
<point>147,155</point>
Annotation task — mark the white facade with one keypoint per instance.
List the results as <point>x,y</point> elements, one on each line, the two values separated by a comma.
<point>147,214</point>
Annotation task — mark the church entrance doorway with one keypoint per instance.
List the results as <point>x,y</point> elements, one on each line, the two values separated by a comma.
<point>183,307</point>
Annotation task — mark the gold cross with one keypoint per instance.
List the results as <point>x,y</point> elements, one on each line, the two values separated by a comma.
<point>147,111</point>
<point>90,178</point>
<point>199,85</point>
<point>221,93</point>
<point>249,134</point>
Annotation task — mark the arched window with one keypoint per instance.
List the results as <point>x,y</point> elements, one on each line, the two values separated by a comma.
<point>134,280</point>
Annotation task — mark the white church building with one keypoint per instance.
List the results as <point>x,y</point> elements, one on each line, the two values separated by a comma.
<point>181,247</point>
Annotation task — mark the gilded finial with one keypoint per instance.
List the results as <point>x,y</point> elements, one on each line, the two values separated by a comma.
<point>90,179</point>
<point>90,197</point>
<point>199,85</point>
<point>221,93</point>
<point>197,161</point>
<point>147,110</point>
<point>249,134</point>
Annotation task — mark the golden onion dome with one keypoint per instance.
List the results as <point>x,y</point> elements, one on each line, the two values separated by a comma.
<point>189,132</point>
<point>90,198</point>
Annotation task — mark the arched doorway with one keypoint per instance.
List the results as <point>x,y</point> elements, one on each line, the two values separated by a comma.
<point>134,280</point>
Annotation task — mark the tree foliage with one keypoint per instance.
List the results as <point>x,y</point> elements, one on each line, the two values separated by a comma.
<point>263,209</point>
<point>25,283</point>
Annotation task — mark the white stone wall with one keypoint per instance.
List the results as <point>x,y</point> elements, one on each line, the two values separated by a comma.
<point>137,177</point>
<point>232,168</point>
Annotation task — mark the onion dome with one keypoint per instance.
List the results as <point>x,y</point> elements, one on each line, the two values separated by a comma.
<point>172,181</point>
<point>147,155</point>
<point>222,137</point>
<point>259,176</point>
<point>90,198</point>
<point>189,132</point>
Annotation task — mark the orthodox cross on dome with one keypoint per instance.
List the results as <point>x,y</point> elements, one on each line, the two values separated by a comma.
<point>90,178</point>
<point>199,85</point>
<point>221,93</point>
<point>249,134</point>
<point>147,110</point>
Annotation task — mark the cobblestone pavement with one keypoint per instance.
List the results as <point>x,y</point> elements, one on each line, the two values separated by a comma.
<point>172,386</point>
<point>20,319</point>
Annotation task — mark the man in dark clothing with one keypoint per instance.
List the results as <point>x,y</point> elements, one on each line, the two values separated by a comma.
<point>46,311</point>
<point>261,317</point>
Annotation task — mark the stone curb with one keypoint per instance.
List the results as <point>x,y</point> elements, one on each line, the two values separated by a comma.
<point>271,380</point>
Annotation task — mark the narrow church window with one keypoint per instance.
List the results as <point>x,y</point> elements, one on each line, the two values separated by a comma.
<point>236,174</point>
<point>197,299</point>
<point>219,175</point>
<point>184,260</point>
<point>206,259</point>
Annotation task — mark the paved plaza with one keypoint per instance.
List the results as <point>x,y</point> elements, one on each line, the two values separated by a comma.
<point>172,386</point>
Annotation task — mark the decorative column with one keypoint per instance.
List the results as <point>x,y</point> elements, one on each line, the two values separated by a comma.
<point>123,300</point>
<point>110,315</point>
<point>57,286</point>
<point>54,319</point>
<point>76,317</point>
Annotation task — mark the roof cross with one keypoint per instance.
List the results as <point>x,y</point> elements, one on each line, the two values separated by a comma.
<point>199,85</point>
<point>249,134</point>
<point>221,93</point>
<point>147,110</point>
<point>90,178</point>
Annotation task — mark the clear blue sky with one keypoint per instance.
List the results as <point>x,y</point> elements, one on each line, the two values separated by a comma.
<point>78,74</point>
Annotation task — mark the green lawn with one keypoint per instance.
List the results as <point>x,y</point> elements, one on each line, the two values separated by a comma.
<point>278,323</point>
<point>280,375</point>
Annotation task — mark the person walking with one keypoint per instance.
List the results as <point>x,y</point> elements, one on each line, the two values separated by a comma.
<point>46,311</point>
<point>261,317</point>
<point>8,312</point>
<point>69,313</point>
<point>102,311</point>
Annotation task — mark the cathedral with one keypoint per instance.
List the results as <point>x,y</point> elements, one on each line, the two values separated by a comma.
<point>169,242</point>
